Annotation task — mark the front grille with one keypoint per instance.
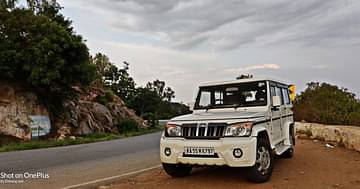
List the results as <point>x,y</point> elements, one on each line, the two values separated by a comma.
<point>203,131</point>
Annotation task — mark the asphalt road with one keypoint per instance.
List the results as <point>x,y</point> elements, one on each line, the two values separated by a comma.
<point>78,164</point>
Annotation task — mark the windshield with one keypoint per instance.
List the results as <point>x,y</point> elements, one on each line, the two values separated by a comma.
<point>234,95</point>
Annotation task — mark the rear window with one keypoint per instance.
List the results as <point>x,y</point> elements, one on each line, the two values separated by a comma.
<point>286,96</point>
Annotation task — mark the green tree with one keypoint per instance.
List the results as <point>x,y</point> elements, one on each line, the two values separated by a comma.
<point>151,102</point>
<point>169,110</point>
<point>110,76</point>
<point>120,81</point>
<point>7,4</point>
<point>158,86</point>
<point>103,68</point>
<point>328,104</point>
<point>168,94</point>
<point>38,50</point>
<point>154,102</point>
<point>145,101</point>
<point>50,9</point>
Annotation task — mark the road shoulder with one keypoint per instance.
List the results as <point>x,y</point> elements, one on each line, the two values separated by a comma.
<point>313,166</point>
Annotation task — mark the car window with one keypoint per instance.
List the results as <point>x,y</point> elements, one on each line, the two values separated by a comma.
<point>205,98</point>
<point>272,91</point>
<point>279,93</point>
<point>286,96</point>
<point>219,97</point>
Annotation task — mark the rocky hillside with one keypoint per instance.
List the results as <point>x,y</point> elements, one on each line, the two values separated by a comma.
<point>16,105</point>
<point>82,116</point>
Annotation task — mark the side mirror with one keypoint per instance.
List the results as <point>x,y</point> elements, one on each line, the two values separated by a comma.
<point>276,101</point>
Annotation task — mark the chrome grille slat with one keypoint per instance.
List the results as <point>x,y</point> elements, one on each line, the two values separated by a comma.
<point>215,130</point>
<point>206,130</point>
<point>197,131</point>
<point>203,131</point>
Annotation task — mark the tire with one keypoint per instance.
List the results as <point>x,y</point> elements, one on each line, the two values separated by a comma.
<point>288,154</point>
<point>177,170</point>
<point>262,170</point>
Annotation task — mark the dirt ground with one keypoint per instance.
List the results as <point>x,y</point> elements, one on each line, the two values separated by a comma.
<point>313,166</point>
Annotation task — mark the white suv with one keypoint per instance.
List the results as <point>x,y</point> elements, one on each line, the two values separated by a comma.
<point>241,123</point>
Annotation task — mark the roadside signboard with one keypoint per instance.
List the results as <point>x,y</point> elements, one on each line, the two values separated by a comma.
<point>40,125</point>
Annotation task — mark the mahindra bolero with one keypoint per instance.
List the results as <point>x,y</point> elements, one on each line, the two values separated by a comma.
<point>241,123</point>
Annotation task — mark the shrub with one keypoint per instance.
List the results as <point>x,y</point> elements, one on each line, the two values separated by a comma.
<point>127,125</point>
<point>109,95</point>
<point>106,98</point>
<point>327,104</point>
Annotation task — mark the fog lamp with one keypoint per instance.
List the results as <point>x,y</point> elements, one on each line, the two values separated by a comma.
<point>237,153</point>
<point>167,151</point>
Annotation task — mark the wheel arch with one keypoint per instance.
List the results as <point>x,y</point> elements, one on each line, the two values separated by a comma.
<point>263,133</point>
<point>289,127</point>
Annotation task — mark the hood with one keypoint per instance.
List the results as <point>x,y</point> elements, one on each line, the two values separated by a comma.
<point>203,116</point>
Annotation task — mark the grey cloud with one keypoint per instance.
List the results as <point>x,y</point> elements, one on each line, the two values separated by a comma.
<point>233,23</point>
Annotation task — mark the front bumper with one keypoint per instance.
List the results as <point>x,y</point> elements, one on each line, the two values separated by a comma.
<point>223,148</point>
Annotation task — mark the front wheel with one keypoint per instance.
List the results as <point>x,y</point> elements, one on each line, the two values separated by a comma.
<point>262,170</point>
<point>177,170</point>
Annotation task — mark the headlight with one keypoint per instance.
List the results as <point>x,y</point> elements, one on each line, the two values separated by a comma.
<point>173,130</point>
<point>239,129</point>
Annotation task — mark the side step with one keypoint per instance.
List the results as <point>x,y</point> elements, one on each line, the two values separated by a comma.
<point>281,148</point>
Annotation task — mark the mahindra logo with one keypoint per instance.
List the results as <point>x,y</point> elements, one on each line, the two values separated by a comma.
<point>202,124</point>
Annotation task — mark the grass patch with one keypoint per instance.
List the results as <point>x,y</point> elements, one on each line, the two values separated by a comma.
<point>96,137</point>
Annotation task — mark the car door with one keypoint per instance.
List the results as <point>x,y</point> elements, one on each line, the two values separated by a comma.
<point>282,111</point>
<point>275,116</point>
<point>287,105</point>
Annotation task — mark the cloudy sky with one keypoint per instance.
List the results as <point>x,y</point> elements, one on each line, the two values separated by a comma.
<point>186,42</point>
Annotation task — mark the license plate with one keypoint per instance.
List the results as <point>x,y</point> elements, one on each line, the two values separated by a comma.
<point>199,151</point>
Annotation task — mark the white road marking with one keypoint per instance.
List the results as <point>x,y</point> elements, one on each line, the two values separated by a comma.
<point>113,177</point>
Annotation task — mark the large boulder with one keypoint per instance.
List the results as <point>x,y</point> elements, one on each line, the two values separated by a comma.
<point>16,106</point>
<point>120,112</point>
<point>85,115</point>
<point>117,106</point>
